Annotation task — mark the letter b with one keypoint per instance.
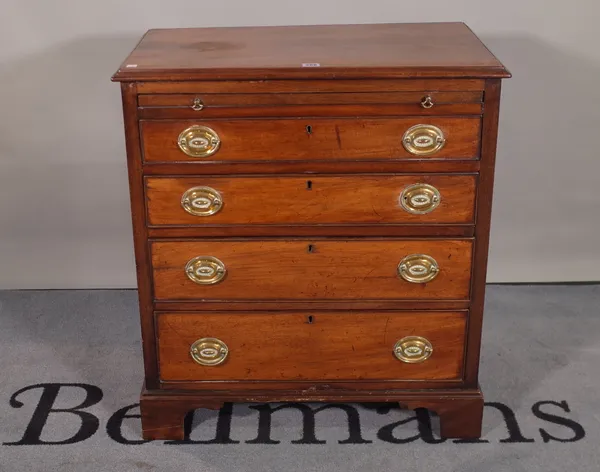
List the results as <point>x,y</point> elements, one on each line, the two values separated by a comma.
<point>89,423</point>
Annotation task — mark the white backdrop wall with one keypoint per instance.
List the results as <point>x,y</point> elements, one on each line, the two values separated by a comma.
<point>64,208</point>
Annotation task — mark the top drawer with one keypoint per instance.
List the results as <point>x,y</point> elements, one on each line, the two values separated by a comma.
<point>310,139</point>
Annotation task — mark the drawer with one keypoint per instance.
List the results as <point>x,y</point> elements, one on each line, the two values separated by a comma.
<point>310,139</point>
<point>309,104</point>
<point>311,346</point>
<point>322,269</point>
<point>322,200</point>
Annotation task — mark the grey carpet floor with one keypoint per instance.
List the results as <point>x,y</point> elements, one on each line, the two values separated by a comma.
<point>71,374</point>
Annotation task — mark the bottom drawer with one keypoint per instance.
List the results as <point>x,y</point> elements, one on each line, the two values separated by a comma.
<point>311,346</point>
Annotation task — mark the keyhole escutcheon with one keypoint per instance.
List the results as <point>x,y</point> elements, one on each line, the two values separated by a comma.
<point>309,129</point>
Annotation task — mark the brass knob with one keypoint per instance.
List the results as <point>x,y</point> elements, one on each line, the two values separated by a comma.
<point>201,201</point>
<point>418,268</point>
<point>209,351</point>
<point>423,140</point>
<point>427,102</point>
<point>197,105</point>
<point>420,199</point>
<point>205,270</point>
<point>199,141</point>
<point>413,349</point>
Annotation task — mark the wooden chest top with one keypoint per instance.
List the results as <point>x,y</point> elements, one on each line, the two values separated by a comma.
<point>449,50</point>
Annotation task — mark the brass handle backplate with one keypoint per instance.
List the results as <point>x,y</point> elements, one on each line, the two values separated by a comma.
<point>413,349</point>
<point>418,268</point>
<point>205,270</point>
<point>201,201</point>
<point>420,199</point>
<point>209,351</point>
<point>199,141</point>
<point>423,140</point>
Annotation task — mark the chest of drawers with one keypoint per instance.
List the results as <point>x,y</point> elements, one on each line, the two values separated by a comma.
<point>311,210</point>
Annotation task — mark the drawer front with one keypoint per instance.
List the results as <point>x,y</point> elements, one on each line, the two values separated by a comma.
<point>293,200</point>
<point>367,269</point>
<point>205,101</point>
<point>211,105</point>
<point>311,346</point>
<point>310,139</point>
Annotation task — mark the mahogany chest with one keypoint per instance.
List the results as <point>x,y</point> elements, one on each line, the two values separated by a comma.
<point>311,210</point>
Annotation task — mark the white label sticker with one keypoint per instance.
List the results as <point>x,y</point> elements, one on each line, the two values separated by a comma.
<point>131,66</point>
<point>311,64</point>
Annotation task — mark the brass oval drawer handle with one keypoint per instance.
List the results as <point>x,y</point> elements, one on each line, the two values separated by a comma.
<point>199,141</point>
<point>413,349</point>
<point>427,102</point>
<point>205,270</point>
<point>423,140</point>
<point>201,201</point>
<point>209,351</point>
<point>420,199</point>
<point>418,268</point>
<point>197,105</point>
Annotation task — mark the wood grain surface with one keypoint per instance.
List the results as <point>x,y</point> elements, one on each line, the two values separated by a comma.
<point>340,51</point>
<point>309,305</point>
<point>310,139</point>
<point>215,105</point>
<point>140,232</point>
<point>315,269</point>
<point>326,346</point>
<point>484,216</point>
<point>332,166</point>
<point>460,411</point>
<point>297,231</point>
<point>294,111</point>
<point>228,100</point>
<point>311,200</point>
<point>410,84</point>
